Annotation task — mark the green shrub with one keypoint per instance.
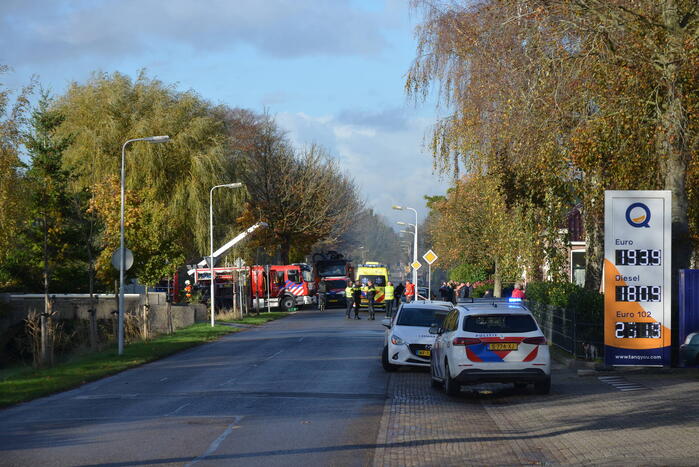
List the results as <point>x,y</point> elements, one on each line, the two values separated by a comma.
<point>538,292</point>
<point>560,293</point>
<point>587,305</point>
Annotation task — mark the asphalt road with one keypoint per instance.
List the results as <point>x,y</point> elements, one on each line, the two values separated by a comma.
<point>304,390</point>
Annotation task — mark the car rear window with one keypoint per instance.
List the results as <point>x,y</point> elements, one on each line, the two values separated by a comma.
<point>425,317</point>
<point>505,324</point>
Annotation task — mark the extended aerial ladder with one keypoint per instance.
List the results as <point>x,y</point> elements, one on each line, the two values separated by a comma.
<point>221,251</point>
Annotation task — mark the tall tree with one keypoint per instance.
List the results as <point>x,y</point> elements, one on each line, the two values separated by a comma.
<point>13,190</point>
<point>301,194</point>
<point>51,232</point>
<point>173,179</point>
<point>559,100</point>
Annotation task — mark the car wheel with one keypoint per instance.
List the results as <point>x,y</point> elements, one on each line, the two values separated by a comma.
<point>543,387</point>
<point>287,302</point>
<point>451,387</point>
<point>387,366</point>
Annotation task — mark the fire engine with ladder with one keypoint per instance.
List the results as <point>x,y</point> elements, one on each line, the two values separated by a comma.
<point>269,286</point>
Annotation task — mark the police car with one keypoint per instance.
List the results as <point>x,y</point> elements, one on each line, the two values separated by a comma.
<point>490,342</point>
<point>408,340</point>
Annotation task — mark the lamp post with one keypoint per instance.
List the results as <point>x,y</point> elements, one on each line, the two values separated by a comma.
<point>403,208</point>
<point>211,241</point>
<point>414,241</point>
<point>122,261</point>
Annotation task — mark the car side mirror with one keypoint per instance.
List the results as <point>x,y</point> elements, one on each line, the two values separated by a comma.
<point>386,322</point>
<point>435,330</point>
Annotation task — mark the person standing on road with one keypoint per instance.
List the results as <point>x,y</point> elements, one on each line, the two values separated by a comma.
<point>409,291</point>
<point>349,301</point>
<point>322,292</point>
<point>370,292</point>
<point>398,293</point>
<point>443,292</point>
<point>388,292</point>
<point>357,296</point>
<point>466,291</point>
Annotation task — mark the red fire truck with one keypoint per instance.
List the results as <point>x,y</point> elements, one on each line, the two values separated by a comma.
<point>276,286</point>
<point>331,264</point>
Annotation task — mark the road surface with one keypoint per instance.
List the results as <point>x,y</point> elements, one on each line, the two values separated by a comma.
<point>304,390</point>
<point>309,390</point>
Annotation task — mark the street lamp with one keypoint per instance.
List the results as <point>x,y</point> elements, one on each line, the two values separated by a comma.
<point>403,208</point>
<point>211,240</point>
<point>122,256</point>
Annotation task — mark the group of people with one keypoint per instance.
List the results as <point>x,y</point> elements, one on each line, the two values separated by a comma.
<point>451,291</point>
<point>392,295</point>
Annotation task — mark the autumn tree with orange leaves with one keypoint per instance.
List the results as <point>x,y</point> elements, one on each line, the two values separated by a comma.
<point>559,101</point>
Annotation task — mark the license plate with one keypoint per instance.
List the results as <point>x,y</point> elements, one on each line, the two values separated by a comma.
<point>503,346</point>
<point>424,353</point>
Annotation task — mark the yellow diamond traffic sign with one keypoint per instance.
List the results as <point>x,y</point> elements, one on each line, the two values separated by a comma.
<point>430,257</point>
<point>416,265</point>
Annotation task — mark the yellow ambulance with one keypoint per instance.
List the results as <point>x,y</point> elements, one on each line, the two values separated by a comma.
<point>378,274</point>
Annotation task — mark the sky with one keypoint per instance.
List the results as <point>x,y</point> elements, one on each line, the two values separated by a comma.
<point>330,71</point>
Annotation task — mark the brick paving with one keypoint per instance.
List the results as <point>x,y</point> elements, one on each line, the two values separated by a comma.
<point>583,421</point>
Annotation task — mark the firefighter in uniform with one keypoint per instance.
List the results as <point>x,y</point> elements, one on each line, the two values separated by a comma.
<point>388,298</point>
<point>357,296</point>
<point>349,301</point>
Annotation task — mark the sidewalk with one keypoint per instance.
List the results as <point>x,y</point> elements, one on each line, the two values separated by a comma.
<point>583,421</point>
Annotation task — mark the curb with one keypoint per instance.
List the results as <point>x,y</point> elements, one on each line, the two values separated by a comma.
<point>573,363</point>
<point>586,368</point>
<point>638,370</point>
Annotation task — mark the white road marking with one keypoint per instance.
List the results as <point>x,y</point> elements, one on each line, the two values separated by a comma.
<point>272,356</point>
<point>217,442</point>
<point>227,382</point>
<point>301,340</point>
<point>621,383</point>
<point>163,379</point>
<point>177,410</point>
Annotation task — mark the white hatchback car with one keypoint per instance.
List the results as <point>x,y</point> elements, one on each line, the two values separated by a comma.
<point>490,342</point>
<point>408,340</point>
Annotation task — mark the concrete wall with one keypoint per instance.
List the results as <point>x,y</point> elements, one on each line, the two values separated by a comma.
<point>14,309</point>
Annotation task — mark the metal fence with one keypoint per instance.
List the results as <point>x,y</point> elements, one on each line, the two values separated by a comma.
<point>583,339</point>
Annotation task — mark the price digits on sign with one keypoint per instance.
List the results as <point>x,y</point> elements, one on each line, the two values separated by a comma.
<point>637,330</point>
<point>638,293</point>
<point>638,257</point>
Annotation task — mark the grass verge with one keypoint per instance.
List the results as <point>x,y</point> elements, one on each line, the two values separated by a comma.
<point>262,318</point>
<point>23,384</point>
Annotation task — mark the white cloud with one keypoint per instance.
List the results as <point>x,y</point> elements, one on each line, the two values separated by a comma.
<point>33,32</point>
<point>389,166</point>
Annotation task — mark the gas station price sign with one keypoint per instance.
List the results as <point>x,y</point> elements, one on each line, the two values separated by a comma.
<point>637,248</point>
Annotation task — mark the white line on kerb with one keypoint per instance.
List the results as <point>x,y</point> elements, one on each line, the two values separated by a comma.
<point>217,442</point>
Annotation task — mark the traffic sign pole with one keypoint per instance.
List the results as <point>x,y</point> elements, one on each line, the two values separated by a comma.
<point>429,281</point>
<point>430,257</point>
